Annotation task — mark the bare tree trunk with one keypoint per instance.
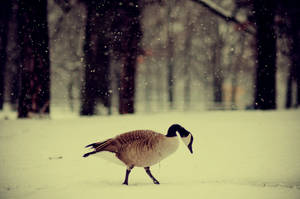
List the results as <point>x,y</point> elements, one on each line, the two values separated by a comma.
<point>14,89</point>
<point>234,76</point>
<point>70,86</point>
<point>158,88</point>
<point>170,55</point>
<point>298,83</point>
<point>288,103</point>
<point>217,73</point>
<point>235,72</point>
<point>187,63</point>
<point>127,82</point>
<point>89,88</point>
<point>295,47</point>
<point>148,86</point>
<point>5,9</point>
<point>127,22</point>
<point>97,61</point>
<point>35,65</point>
<point>217,81</point>
<point>265,87</point>
<point>14,60</point>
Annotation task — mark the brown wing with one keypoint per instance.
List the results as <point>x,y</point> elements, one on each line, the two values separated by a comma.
<point>138,138</point>
<point>137,147</point>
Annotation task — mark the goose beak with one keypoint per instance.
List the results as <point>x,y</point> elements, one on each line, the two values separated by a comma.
<point>190,148</point>
<point>190,144</point>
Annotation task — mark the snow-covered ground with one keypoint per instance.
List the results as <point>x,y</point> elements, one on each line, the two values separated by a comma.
<point>238,154</point>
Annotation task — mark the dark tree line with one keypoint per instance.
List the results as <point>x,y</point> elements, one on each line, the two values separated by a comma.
<point>34,68</point>
<point>97,58</point>
<point>113,30</point>
<point>262,14</point>
<point>290,28</point>
<point>288,23</point>
<point>265,13</point>
<point>265,91</point>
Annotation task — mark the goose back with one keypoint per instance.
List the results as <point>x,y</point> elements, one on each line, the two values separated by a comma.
<point>143,148</point>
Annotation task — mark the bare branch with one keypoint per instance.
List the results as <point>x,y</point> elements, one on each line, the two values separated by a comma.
<point>224,14</point>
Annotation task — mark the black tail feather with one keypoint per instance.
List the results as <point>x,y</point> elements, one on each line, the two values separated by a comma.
<point>96,144</point>
<point>90,153</point>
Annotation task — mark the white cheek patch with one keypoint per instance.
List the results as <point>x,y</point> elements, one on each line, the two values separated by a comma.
<point>186,140</point>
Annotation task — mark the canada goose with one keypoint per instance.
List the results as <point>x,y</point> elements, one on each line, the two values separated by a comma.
<point>143,148</point>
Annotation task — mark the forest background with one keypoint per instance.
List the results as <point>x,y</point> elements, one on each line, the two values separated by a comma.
<point>104,57</point>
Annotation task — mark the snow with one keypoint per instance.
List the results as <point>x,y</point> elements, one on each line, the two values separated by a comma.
<point>237,154</point>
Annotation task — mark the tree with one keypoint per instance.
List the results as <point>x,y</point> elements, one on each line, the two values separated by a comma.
<point>217,71</point>
<point>170,53</point>
<point>35,65</point>
<point>265,86</point>
<point>295,51</point>
<point>289,12</point>
<point>13,59</point>
<point>126,32</point>
<point>236,67</point>
<point>113,28</point>
<point>5,9</point>
<point>187,60</point>
<point>97,59</point>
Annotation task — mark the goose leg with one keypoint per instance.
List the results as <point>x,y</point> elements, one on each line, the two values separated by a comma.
<point>128,170</point>
<point>147,169</point>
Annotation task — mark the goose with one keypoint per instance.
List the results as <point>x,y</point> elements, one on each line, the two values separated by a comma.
<point>143,148</point>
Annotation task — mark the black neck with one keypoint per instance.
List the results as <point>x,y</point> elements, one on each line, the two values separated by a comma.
<point>176,127</point>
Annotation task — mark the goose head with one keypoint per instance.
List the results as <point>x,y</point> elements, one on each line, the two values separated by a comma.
<point>185,135</point>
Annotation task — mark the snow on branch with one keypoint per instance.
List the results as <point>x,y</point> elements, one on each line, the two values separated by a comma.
<point>224,14</point>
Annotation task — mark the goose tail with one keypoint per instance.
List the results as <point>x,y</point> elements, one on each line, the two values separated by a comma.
<point>98,147</point>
